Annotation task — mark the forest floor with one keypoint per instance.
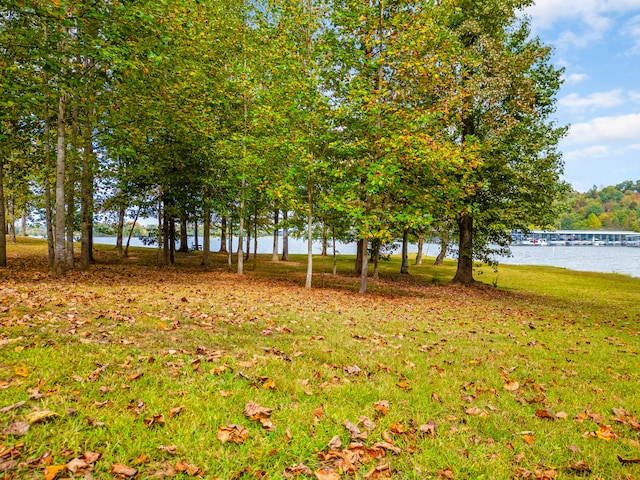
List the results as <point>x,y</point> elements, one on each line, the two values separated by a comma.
<point>135,371</point>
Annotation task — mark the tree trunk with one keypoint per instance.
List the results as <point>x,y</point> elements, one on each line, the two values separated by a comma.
<point>464,273</point>
<point>23,225</point>
<point>255,241</point>
<point>48,209</point>
<point>184,240</point>
<point>3,221</point>
<point>241,231</point>
<point>60,260</point>
<point>223,236</point>
<point>365,267</point>
<point>420,248</point>
<point>335,256</point>
<point>309,277</point>
<point>86,189</point>
<point>274,255</point>
<point>247,252</point>
<point>230,252</point>
<point>444,243</point>
<point>358,266</point>
<point>71,210</point>
<point>166,238</point>
<point>172,241</point>
<point>404,268</point>
<point>11,210</point>
<point>133,226</point>
<point>325,229</point>
<point>196,247</point>
<point>285,238</point>
<point>376,259</point>
<point>206,240</point>
<point>120,234</point>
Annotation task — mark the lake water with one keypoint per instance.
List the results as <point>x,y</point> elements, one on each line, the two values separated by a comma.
<point>607,259</point>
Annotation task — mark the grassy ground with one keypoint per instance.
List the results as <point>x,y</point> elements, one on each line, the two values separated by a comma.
<point>131,370</point>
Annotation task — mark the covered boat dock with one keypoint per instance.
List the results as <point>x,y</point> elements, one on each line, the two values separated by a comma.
<point>577,237</point>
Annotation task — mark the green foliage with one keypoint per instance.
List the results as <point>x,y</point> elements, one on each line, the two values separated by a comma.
<point>610,208</point>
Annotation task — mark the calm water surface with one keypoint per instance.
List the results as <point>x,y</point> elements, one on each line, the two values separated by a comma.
<point>605,259</point>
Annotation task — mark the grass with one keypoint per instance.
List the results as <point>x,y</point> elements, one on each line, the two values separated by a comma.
<point>523,381</point>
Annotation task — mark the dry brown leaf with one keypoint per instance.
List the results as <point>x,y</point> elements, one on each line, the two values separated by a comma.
<point>52,471</point>
<point>12,407</point>
<point>135,376</point>
<point>335,443</point>
<point>233,433</point>
<point>628,461</point>
<point>381,471</point>
<point>529,439</point>
<point>269,384</point>
<point>387,446</point>
<point>367,423</point>
<point>16,429</point>
<point>429,428</point>
<point>543,413</point>
<point>77,464</point>
<point>123,470</point>
<point>40,415</point>
<point>175,411</point>
<point>255,412</point>
<point>381,406</point>
<point>446,473</point>
<point>511,385</point>
<point>299,469</point>
<point>561,415</point>
<point>397,428</point>
<point>580,466</point>
<point>326,473</point>
<point>170,449</point>
<point>157,419</point>
<point>403,385</point>
<point>354,430</point>
<point>188,468</point>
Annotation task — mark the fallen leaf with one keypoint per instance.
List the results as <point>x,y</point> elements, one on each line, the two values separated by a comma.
<point>387,446</point>
<point>627,461</point>
<point>233,433</point>
<point>170,449</point>
<point>157,419</point>
<point>77,464</point>
<point>8,465</point>
<point>335,443</point>
<point>403,385</point>
<point>429,428</point>
<point>40,415</point>
<point>188,468</point>
<point>561,415</point>
<point>354,430</point>
<point>175,411</point>
<point>123,470</point>
<point>326,473</point>
<point>141,459</point>
<point>135,376</point>
<point>269,384</point>
<point>381,406</point>
<point>367,423</point>
<point>397,428</point>
<point>604,432</point>
<point>12,407</point>
<point>381,471</point>
<point>529,439</point>
<point>542,413</point>
<point>511,385</point>
<point>52,471</point>
<point>91,457</point>
<point>21,371</point>
<point>580,466</point>
<point>17,429</point>
<point>299,469</point>
<point>446,473</point>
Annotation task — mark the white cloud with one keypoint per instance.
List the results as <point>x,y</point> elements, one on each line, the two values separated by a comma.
<point>632,29</point>
<point>597,151</point>
<point>598,100</point>
<point>606,129</point>
<point>575,78</point>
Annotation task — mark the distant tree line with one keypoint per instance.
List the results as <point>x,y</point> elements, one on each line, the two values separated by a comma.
<point>616,207</point>
<point>373,120</point>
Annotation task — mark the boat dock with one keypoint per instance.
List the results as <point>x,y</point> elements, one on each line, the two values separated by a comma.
<point>577,237</point>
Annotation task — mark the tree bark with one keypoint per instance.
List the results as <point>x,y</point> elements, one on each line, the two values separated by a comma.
<point>274,255</point>
<point>172,241</point>
<point>196,247</point>
<point>444,243</point>
<point>325,230</point>
<point>247,252</point>
<point>404,268</point>
<point>86,189</point>
<point>11,210</point>
<point>23,225</point>
<point>335,256</point>
<point>464,273</point>
<point>120,233</point>
<point>420,248</point>
<point>60,259</point>
<point>365,267</point>
<point>133,226</point>
<point>285,238</point>
<point>184,240</point>
<point>309,277</point>
<point>223,236</point>
<point>206,237</point>
<point>3,221</point>
<point>48,208</point>
<point>358,266</point>
<point>376,259</point>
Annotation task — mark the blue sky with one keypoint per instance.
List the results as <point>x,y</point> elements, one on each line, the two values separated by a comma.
<point>598,44</point>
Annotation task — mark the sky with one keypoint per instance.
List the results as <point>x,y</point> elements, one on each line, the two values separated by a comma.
<point>597,42</point>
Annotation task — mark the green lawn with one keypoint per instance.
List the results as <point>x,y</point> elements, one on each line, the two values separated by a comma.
<point>162,372</point>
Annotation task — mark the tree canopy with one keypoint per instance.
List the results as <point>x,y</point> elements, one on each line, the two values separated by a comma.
<point>378,119</point>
